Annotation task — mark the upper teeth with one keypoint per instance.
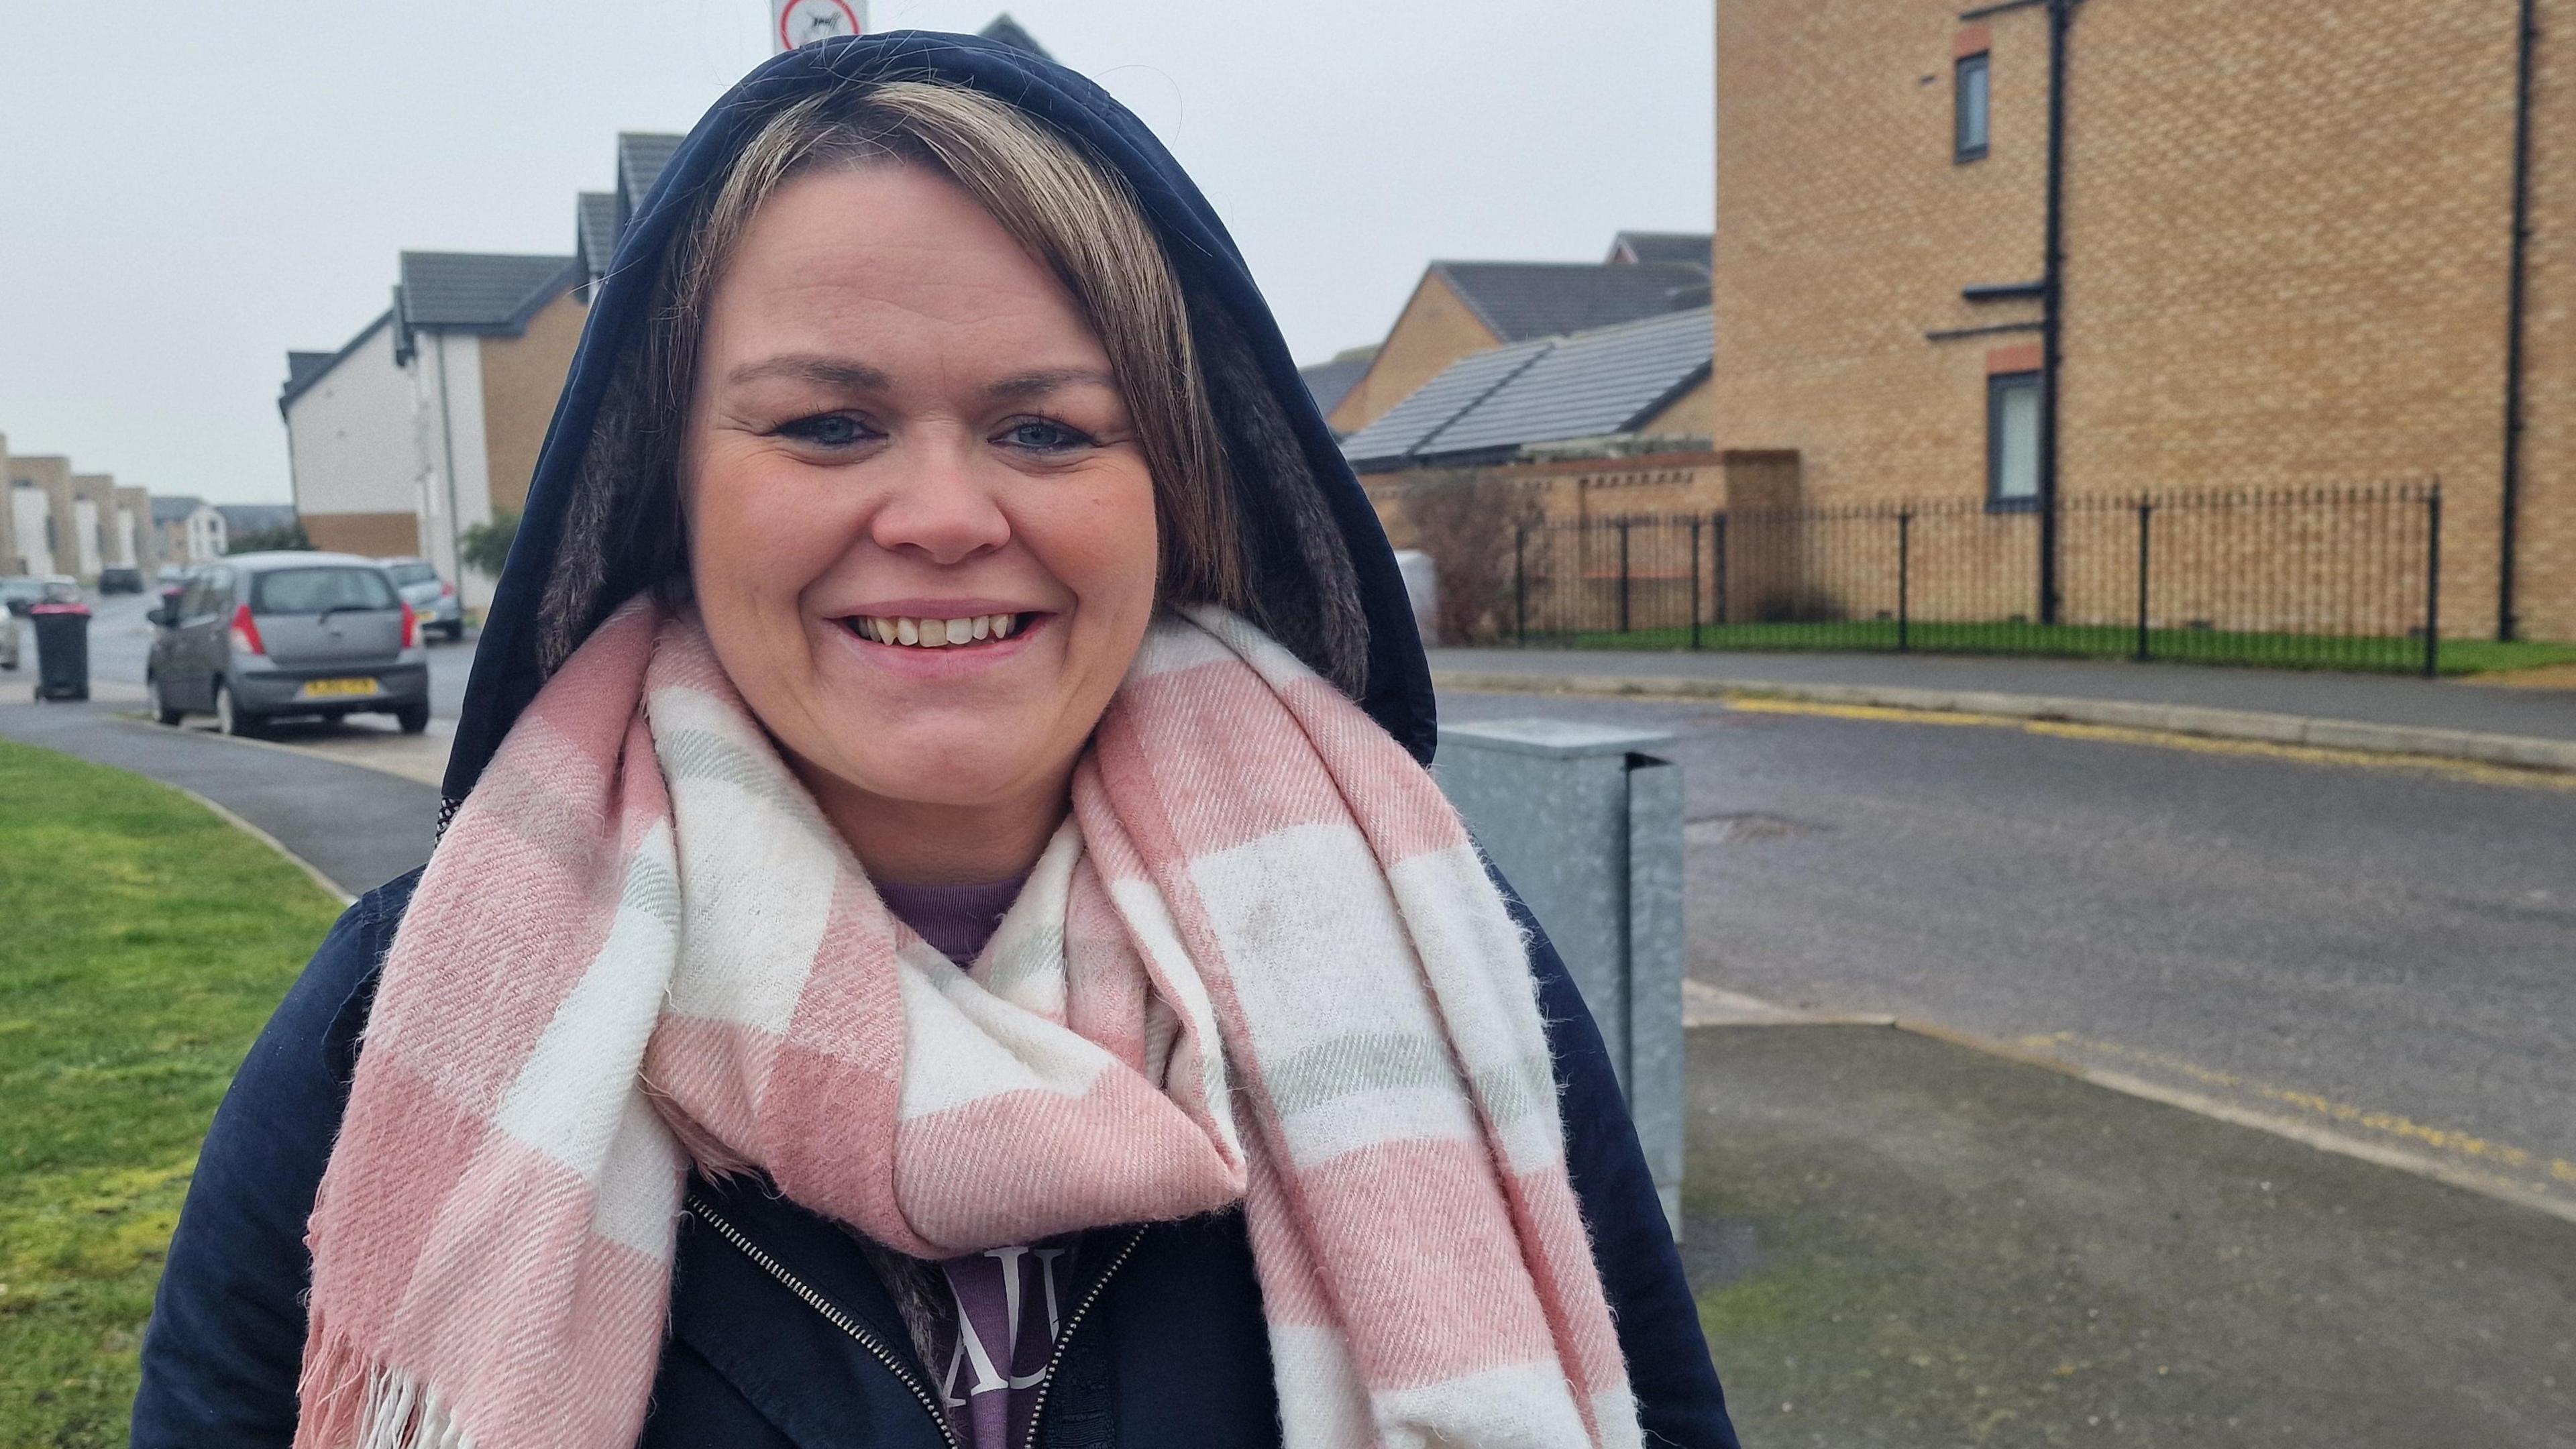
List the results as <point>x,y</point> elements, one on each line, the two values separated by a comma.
<point>938,633</point>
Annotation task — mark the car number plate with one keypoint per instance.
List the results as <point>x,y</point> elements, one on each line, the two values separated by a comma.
<point>337,688</point>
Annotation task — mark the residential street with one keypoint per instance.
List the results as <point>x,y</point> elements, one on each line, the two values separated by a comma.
<point>2381,951</point>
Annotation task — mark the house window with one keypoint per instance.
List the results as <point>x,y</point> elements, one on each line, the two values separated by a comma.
<point>2012,440</point>
<point>1969,118</point>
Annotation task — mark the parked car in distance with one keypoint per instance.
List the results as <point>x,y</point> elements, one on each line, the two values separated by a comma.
<point>174,573</point>
<point>21,592</point>
<point>120,581</point>
<point>263,636</point>
<point>430,596</point>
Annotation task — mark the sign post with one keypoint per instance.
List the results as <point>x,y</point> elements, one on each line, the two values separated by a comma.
<point>802,22</point>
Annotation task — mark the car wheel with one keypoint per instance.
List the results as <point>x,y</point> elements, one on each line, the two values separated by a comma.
<point>231,719</point>
<point>413,718</point>
<point>160,708</point>
<point>455,631</point>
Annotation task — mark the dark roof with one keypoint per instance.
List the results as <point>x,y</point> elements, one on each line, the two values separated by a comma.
<point>1522,300</point>
<point>171,510</point>
<point>1329,382</point>
<point>595,231</point>
<point>479,291</point>
<point>1684,248</point>
<point>1404,428</point>
<point>1009,32</point>
<point>303,369</point>
<point>641,155</point>
<point>255,517</point>
<point>1591,384</point>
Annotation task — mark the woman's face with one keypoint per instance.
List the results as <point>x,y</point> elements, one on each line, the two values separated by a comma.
<point>921,531</point>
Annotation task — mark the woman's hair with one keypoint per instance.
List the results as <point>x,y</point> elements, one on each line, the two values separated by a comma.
<point>1233,500</point>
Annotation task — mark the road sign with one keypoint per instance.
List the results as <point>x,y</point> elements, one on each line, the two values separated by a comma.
<point>802,22</point>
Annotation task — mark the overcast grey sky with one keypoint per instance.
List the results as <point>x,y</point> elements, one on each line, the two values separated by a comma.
<point>189,190</point>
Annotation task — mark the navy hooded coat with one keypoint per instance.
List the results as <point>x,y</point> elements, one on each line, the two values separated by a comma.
<point>780,1332</point>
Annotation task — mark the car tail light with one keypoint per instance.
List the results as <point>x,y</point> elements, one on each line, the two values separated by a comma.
<point>411,626</point>
<point>246,631</point>
<point>446,590</point>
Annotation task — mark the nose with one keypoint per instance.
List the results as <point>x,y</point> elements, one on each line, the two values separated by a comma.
<point>939,509</point>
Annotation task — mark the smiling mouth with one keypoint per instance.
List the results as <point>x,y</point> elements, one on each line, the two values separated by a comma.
<point>909,633</point>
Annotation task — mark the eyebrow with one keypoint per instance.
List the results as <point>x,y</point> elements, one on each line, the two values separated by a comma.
<point>1039,384</point>
<point>846,375</point>
<point>824,371</point>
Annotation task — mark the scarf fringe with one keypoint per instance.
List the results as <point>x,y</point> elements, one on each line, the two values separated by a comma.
<point>351,1402</point>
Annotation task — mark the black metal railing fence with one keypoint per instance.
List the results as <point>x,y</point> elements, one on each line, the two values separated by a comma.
<point>2345,578</point>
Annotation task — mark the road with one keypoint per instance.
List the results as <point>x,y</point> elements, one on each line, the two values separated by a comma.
<point>2386,952</point>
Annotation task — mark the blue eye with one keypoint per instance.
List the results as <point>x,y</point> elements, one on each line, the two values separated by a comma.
<point>1040,436</point>
<point>827,430</point>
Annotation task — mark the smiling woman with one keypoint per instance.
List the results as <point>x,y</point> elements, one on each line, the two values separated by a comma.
<point>945,935</point>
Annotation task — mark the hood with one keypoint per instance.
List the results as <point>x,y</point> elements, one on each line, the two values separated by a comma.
<point>1396,687</point>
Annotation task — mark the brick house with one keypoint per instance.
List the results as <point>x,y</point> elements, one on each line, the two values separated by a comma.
<point>2286,256</point>
<point>1460,308</point>
<point>190,530</point>
<point>429,419</point>
<point>45,513</point>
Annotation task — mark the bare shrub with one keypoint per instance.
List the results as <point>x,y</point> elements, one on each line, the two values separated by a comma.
<point>1465,519</point>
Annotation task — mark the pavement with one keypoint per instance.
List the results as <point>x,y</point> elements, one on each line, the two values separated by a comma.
<point>2531,727</point>
<point>1896,1241</point>
<point>2373,951</point>
<point>358,827</point>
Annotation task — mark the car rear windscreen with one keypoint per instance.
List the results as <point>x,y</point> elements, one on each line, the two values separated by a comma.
<point>406,575</point>
<point>316,590</point>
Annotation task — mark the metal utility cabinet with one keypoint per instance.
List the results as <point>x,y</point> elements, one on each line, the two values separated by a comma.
<point>1585,821</point>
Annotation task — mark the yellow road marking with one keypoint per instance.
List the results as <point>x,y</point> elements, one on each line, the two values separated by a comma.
<point>2467,771</point>
<point>2485,1151</point>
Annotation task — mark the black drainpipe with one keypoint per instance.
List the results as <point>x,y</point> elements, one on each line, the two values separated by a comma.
<point>2061,20</point>
<point>2526,42</point>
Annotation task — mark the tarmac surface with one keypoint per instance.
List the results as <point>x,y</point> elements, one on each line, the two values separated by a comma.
<point>2383,951</point>
<point>360,827</point>
<point>1895,1241</point>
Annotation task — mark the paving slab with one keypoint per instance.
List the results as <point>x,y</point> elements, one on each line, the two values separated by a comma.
<point>1898,1241</point>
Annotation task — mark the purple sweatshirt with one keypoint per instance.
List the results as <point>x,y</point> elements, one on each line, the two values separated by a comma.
<point>1006,1305</point>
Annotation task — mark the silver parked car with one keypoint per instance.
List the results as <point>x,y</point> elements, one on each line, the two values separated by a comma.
<point>431,597</point>
<point>263,635</point>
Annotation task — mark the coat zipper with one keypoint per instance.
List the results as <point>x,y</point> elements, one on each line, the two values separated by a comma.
<point>832,1314</point>
<point>1055,1360</point>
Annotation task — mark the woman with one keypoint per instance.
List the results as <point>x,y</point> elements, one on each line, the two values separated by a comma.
<point>939,938</point>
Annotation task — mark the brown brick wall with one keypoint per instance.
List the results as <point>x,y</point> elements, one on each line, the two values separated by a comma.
<point>522,377</point>
<point>377,535</point>
<point>1845,232</point>
<point>2547,555</point>
<point>1435,329</point>
<point>2287,242</point>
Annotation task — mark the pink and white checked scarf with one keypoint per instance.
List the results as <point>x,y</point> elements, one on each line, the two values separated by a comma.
<point>1261,962</point>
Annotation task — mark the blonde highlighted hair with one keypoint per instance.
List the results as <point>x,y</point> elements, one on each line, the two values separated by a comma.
<point>1233,499</point>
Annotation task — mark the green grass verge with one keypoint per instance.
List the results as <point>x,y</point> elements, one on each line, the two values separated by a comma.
<point>2081,641</point>
<point>142,943</point>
